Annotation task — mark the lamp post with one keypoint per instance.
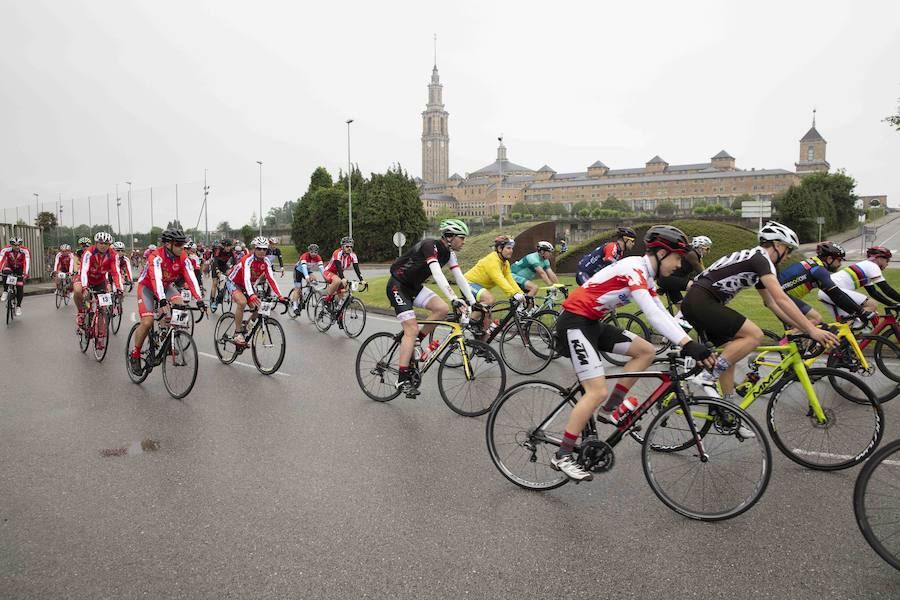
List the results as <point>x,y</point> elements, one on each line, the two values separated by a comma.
<point>499,186</point>
<point>259,162</point>
<point>205,207</point>
<point>119,212</point>
<point>37,211</point>
<point>130,222</point>
<point>349,184</point>
<point>59,215</point>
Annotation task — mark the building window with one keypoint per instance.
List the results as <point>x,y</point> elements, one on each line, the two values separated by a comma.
<point>810,154</point>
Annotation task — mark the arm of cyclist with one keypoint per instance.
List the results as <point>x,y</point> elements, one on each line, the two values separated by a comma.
<point>27,254</point>
<point>784,308</point>
<point>356,268</point>
<point>441,281</point>
<point>504,280</point>
<point>270,277</point>
<point>547,275</point>
<point>877,295</point>
<point>885,287</point>
<point>192,282</point>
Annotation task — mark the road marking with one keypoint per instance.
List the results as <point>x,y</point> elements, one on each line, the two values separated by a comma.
<point>895,463</point>
<point>242,364</point>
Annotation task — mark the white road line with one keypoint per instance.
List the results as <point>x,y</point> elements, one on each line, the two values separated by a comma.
<point>894,463</point>
<point>242,364</point>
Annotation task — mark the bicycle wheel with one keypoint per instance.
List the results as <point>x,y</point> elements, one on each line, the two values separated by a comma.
<point>876,503</point>
<point>376,366</point>
<point>679,437</point>
<point>145,354</point>
<point>526,347</point>
<point>10,310</point>
<point>548,317</point>
<point>850,433</point>
<point>354,316</point>
<point>625,322</point>
<point>519,450</point>
<point>179,366</point>
<point>223,337</point>
<point>883,375</point>
<point>268,345</point>
<point>226,301</point>
<point>66,297</point>
<point>100,334</point>
<point>471,391</point>
<point>58,297</point>
<point>84,332</point>
<point>323,318</point>
<point>116,321</point>
<point>312,305</point>
<point>729,479</point>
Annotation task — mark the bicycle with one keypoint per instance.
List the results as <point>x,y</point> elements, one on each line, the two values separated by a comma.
<point>127,284</point>
<point>306,291</point>
<point>187,298</point>
<point>61,292</point>
<point>95,326</point>
<point>116,312</point>
<point>170,345</point>
<point>468,385</point>
<point>349,314</point>
<point>222,299</point>
<point>684,465</point>
<point>526,343</point>
<point>265,339</point>
<point>876,502</point>
<point>10,284</point>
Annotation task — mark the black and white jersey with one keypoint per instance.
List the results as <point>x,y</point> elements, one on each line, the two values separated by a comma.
<point>735,272</point>
<point>413,268</point>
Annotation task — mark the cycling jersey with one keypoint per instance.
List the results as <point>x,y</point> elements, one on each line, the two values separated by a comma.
<point>249,269</point>
<point>525,269</point>
<point>735,272</point>
<point>305,260</point>
<point>599,257</point>
<point>20,261</point>
<point>198,262</point>
<point>221,259</point>
<point>148,252</point>
<point>858,275</point>
<point>800,278</point>
<point>124,266</point>
<point>414,268</point>
<point>630,279</point>
<point>340,260</point>
<point>64,263</point>
<point>96,265</point>
<point>493,271</point>
<point>272,254</point>
<point>164,268</point>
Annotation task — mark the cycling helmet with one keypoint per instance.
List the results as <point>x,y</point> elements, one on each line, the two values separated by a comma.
<point>776,232</point>
<point>151,247</point>
<point>666,237</point>
<point>190,246</point>
<point>84,241</point>
<point>314,248</point>
<point>701,241</point>
<point>103,238</point>
<point>228,242</point>
<point>878,252</point>
<point>119,245</point>
<point>260,242</point>
<point>826,249</point>
<point>273,240</point>
<point>501,241</point>
<point>454,227</point>
<point>346,241</point>
<point>545,246</point>
<point>64,247</point>
<point>16,241</point>
<point>173,235</point>
<point>625,232</point>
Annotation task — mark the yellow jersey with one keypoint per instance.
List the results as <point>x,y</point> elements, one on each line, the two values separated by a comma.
<point>492,271</point>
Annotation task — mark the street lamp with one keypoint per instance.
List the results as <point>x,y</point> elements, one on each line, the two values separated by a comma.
<point>37,212</point>
<point>259,162</point>
<point>118,211</point>
<point>130,222</point>
<point>349,185</point>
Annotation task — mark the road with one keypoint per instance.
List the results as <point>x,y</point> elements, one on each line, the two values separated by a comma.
<point>297,485</point>
<point>887,234</point>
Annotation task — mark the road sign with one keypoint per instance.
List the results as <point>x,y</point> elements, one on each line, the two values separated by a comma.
<point>399,241</point>
<point>752,209</point>
<point>820,220</point>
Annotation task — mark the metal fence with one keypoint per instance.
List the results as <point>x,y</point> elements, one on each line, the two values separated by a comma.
<point>34,241</point>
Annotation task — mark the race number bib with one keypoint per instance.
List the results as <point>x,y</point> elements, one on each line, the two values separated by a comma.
<point>11,280</point>
<point>61,275</point>
<point>104,299</point>
<point>180,318</point>
<point>265,308</point>
<point>186,295</point>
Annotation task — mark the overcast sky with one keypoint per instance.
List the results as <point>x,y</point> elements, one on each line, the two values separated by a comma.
<point>100,92</point>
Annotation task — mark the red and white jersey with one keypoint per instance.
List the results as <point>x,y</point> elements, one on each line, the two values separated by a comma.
<point>248,270</point>
<point>124,266</point>
<point>308,259</point>
<point>64,263</point>
<point>18,261</point>
<point>96,265</point>
<point>629,279</point>
<point>197,261</point>
<point>340,261</point>
<point>164,269</point>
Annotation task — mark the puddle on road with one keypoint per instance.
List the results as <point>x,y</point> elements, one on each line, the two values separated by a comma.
<point>145,445</point>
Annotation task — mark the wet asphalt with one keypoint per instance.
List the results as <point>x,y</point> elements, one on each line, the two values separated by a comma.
<point>298,486</point>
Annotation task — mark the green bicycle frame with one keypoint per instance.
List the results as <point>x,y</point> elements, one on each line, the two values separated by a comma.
<point>792,361</point>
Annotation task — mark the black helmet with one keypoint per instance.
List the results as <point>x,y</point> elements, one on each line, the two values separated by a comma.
<point>173,235</point>
<point>666,237</point>
<point>626,232</point>
<point>826,249</point>
<point>228,242</point>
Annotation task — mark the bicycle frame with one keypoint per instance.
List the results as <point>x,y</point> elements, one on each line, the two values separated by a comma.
<point>792,361</point>
<point>843,331</point>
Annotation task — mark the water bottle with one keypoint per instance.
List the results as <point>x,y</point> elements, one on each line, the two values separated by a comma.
<point>628,405</point>
<point>494,324</point>
<point>431,348</point>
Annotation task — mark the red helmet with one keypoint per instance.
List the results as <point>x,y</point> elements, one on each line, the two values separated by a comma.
<point>666,237</point>
<point>878,252</point>
<point>501,241</point>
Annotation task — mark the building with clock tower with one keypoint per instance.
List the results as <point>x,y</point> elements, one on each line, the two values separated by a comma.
<point>435,139</point>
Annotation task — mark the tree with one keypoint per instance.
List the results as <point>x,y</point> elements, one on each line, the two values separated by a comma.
<point>828,195</point>
<point>254,222</point>
<point>665,208</point>
<point>248,231</point>
<point>46,221</point>
<point>613,203</point>
<point>176,224</point>
<point>320,178</point>
<point>388,202</point>
<point>894,120</point>
<point>738,202</point>
<point>226,229</point>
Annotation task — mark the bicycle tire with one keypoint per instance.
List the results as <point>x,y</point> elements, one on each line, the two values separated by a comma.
<point>145,353</point>
<point>702,422</point>
<point>376,368</point>
<point>625,322</point>
<point>116,321</point>
<point>312,303</point>
<point>84,335</point>
<point>323,318</point>
<point>10,311</point>
<point>510,428</point>
<point>223,339</point>
<point>883,356</point>
<point>751,455</point>
<point>263,331</point>
<point>483,360</point>
<point>186,353</point>
<point>66,297</point>
<point>532,340</point>
<point>58,298</point>
<point>549,317</point>
<point>864,502</point>
<point>783,408</point>
<point>354,318</point>
<point>101,334</point>
<point>190,320</point>
<point>227,302</point>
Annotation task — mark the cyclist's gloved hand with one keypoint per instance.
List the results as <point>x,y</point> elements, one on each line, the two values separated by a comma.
<point>457,304</point>
<point>201,304</point>
<point>520,297</point>
<point>696,350</point>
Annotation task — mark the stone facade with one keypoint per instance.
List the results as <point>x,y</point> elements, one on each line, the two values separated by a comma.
<point>435,135</point>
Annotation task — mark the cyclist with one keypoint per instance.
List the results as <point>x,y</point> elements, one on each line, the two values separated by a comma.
<point>274,252</point>
<point>64,263</point>
<point>406,290</point>
<point>301,272</point>
<point>122,261</point>
<point>692,264</point>
<point>605,255</point>
<point>494,270</point>
<point>581,333</point>
<point>341,258</point>
<point>197,264</point>
<point>150,250</point>
<point>240,283</point>
<point>222,259</point>
<point>536,263</point>
<point>15,259</point>
<point>135,258</point>
<point>239,252</point>
<point>98,263</point>
<point>705,304</point>
<point>800,278</point>
<point>866,274</point>
<point>156,287</point>
<point>83,242</point>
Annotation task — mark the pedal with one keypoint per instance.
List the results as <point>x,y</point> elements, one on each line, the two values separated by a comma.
<point>413,393</point>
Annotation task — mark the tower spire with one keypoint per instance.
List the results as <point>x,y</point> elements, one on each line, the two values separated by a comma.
<point>814,118</point>
<point>435,51</point>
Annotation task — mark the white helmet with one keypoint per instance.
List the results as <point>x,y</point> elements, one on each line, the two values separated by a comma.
<point>545,246</point>
<point>119,245</point>
<point>776,232</point>
<point>103,238</point>
<point>273,240</point>
<point>701,241</point>
<point>151,247</point>
<point>260,242</point>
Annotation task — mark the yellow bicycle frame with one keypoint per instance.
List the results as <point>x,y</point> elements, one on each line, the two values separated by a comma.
<point>456,333</point>
<point>792,361</point>
<point>842,330</point>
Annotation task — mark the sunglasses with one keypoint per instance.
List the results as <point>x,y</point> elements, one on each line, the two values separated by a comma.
<point>178,244</point>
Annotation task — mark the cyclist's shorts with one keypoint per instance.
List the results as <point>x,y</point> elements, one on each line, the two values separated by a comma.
<point>147,299</point>
<point>404,298</point>
<point>710,317</point>
<point>232,287</point>
<point>329,276</point>
<point>579,338</point>
<point>520,280</point>
<point>298,284</point>
<point>477,290</point>
<point>858,298</point>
